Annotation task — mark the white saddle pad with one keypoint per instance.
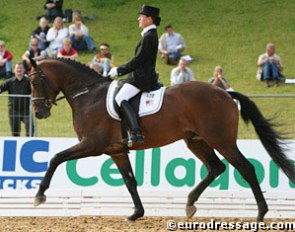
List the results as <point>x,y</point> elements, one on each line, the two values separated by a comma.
<point>150,102</point>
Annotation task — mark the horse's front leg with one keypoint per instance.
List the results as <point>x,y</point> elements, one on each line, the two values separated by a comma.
<point>123,164</point>
<point>80,150</point>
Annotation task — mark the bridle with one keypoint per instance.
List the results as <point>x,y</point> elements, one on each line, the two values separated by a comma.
<point>45,99</point>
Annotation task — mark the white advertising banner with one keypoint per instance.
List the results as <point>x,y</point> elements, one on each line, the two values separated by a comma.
<point>24,161</point>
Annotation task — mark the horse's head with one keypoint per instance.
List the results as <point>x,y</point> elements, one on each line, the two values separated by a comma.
<point>43,94</point>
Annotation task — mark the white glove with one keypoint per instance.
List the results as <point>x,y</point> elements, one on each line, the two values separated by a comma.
<point>113,72</point>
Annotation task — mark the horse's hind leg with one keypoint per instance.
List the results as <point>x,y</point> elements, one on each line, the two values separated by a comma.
<point>247,170</point>
<point>123,163</point>
<point>214,166</point>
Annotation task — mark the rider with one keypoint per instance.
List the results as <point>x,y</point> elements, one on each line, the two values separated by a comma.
<point>142,75</point>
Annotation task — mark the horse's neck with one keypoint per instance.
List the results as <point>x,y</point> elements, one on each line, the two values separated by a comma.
<point>75,85</point>
<point>91,91</point>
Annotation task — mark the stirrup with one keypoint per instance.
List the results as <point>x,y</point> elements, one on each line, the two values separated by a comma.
<point>135,137</point>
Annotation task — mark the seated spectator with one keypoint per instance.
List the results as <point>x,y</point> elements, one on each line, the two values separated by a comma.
<point>102,62</point>
<point>67,51</point>
<point>54,9</point>
<point>182,73</point>
<point>219,80</point>
<point>79,35</point>
<point>34,53</point>
<point>55,36</point>
<point>19,107</point>
<point>269,66</point>
<point>5,61</point>
<point>40,33</point>
<point>171,44</point>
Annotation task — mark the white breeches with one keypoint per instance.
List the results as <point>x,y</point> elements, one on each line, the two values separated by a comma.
<point>126,92</point>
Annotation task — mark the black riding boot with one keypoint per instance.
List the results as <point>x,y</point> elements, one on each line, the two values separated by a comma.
<point>129,114</point>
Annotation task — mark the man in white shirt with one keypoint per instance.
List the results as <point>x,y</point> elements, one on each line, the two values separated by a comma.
<point>171,44</point>
<point>79,36</point>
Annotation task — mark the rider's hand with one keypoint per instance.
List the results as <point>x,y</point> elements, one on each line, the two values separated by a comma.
<point>113,72</point>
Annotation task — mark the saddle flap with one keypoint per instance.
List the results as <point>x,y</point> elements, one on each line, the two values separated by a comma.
<point>146,103</point>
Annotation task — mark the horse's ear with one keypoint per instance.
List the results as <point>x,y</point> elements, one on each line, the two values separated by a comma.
<point>33,62</point>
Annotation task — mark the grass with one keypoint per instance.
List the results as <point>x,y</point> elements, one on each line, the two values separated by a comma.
<point>217,32</point>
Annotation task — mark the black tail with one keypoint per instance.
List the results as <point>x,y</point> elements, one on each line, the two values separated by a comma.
<point>268,136</point>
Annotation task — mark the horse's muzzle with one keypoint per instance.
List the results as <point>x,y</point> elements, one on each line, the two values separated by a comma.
<point>41,113</point>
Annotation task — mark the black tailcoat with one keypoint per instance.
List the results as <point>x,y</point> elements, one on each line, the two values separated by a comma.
<point>141,68</point>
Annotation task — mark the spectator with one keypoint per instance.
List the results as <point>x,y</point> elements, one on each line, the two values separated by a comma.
<point>33,53</point>
<point>171,44</point>
<point>55,36</point>
<point>182,73</point>
<point>5,61</point>
<point>19,107</point>
<point>67,51</point>
<point>79,35</point>
<point>269,66</point>
<point>102,62</point>
<point>219,80</point>
<point>54,9</point>
<point>40,33</point>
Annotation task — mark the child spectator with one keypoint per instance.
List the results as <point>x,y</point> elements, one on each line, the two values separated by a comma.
<point>102,62</point>
<point>219,80</point>
<point>67,51</point>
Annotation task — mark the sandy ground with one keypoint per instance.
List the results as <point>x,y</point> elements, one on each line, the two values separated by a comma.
<point>97,224</point>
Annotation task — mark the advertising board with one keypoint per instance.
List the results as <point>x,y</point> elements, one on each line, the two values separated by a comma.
<point>23,162</point>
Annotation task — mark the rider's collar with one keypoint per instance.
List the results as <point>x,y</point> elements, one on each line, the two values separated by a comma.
<point>146,29</point>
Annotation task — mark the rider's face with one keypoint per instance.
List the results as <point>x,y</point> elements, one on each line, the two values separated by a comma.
<point>144,21</point>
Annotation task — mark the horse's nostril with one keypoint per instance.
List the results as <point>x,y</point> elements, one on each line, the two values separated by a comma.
<point>37,114</point>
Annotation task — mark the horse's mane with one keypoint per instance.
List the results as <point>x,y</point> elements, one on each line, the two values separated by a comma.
<point>78,65</point>
<point>82,73</point>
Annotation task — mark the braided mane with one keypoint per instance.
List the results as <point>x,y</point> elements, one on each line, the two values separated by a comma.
<point>78,65</point>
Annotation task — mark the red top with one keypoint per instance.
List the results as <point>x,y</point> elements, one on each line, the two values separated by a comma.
<point>7,55</point>
<point>70,53</point>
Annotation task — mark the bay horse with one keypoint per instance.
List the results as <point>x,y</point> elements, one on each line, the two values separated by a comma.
<point>203,115</point>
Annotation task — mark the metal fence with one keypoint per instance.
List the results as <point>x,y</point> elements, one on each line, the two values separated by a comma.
<point>280,108</point>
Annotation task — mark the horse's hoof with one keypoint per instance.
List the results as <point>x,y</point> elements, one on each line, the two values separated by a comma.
<point>261,214</point>
<point>135,216</point>
<point>39,200</point>
<point>190,210</point>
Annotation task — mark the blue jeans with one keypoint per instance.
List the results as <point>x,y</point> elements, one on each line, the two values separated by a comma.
<point>270,71</point>
<point>41,46</point>
<point>84,44</point>
<point>7,68</point>
<point>105,65</point>
<point>174,55</point>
